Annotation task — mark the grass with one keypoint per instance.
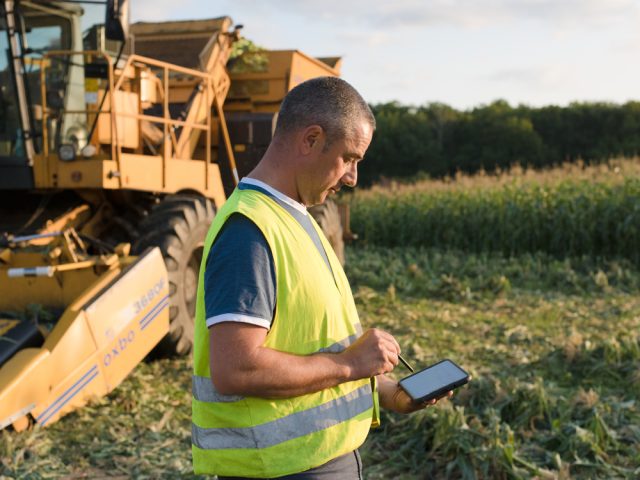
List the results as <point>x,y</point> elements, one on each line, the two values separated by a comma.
<point>141,430</point>
<point>552,345</point>
<point>556,371</point>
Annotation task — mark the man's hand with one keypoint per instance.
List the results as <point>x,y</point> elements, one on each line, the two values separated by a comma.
<point>393,398</point>
<point>374,353</point>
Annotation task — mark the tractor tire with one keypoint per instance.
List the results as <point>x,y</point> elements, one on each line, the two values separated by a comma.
<point>178,225</point>
<point>327,216</point>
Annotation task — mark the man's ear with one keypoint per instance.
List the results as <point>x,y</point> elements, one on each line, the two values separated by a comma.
<point>312,139</point>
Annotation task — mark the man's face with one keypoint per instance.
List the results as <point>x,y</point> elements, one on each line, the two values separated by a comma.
<point>337,166</point>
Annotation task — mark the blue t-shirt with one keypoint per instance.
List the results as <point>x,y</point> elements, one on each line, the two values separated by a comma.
<point>239,279</point>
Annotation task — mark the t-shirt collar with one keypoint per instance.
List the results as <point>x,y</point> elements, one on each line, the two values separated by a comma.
<point>276,193</point>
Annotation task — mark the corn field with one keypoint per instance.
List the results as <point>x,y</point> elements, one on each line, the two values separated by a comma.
<point>562,215</point>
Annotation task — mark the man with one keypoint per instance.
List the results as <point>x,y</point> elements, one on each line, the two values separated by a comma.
<point>284,379</point>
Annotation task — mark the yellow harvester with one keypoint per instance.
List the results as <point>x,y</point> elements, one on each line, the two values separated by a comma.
<point>112,166</point>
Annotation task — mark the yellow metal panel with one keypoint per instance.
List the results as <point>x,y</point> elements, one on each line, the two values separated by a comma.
<point>73,391</point>
<point>190,175</point>
<point>41,176</point>
<point>180,90</point>
<point>129,298</point>
<point>304,68</point>
<point>24,381</point>
<point>134,342</point>
<point>141,172</point>
<point>266,89</point>
<point>130,317</point>
<point>71,313</point>
<point>83,173</point>
<point>74,346</point>
<point>216,190</point>
<point>127,131</point>
<point>185,174</point>
<point>148,87</point>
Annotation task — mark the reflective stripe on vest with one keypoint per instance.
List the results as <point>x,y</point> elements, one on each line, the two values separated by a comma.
<point>204,391</point>
<point>286,428</point>
<point>342,344</point>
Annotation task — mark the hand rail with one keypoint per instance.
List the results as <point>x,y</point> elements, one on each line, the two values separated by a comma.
<point>117,81</point>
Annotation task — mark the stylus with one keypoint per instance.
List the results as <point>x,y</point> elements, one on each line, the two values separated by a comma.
<point>404,362</point>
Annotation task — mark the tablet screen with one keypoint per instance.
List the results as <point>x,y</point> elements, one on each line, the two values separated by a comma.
<point>433,379</point>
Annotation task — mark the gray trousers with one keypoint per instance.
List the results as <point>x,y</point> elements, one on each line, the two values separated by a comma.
<point>345,467</point>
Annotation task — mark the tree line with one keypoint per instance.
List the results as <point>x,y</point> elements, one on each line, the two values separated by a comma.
<point>438,140</point>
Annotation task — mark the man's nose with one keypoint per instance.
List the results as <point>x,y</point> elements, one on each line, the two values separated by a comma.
<point>350,178</point>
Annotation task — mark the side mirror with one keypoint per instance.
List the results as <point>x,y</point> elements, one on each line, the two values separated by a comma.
<point>117,20</point>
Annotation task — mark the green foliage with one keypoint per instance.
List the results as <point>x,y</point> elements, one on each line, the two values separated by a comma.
<point>438,140</point>
<point>461,276</point>
<point>409,140</point>
<point>494,137</point>
<point>569,218</point>
<point>141,430</point>
<point>246,56</point>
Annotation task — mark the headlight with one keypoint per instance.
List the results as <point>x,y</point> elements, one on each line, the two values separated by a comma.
<point>67,152</point>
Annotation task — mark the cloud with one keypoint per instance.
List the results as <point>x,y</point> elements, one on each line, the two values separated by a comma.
<point>543,84</point>
<point>368,39</point>
<point>372,23</point>
<point>540,77</point>
<point>161,10</point>
<point>457,13</point>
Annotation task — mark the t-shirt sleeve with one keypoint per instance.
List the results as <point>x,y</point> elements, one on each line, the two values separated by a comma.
<point>239,278</point>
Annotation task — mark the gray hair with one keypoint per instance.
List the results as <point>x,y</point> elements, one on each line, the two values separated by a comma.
<point>329,102</point>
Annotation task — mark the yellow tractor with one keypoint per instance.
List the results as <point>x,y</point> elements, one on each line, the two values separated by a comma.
<point>114,157</point>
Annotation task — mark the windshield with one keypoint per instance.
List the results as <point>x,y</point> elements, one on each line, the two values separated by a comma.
<point>43,32</point>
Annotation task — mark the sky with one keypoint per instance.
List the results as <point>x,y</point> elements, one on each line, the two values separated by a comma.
<point>464,53</point>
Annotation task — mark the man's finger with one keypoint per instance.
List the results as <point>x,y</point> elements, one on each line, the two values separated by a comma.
<point>395,344</point>
<point>391,344</point>
<point>394,358</point>
<point>391,339</point>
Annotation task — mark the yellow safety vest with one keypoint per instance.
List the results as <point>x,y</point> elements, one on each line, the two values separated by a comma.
<point>315,312</point>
